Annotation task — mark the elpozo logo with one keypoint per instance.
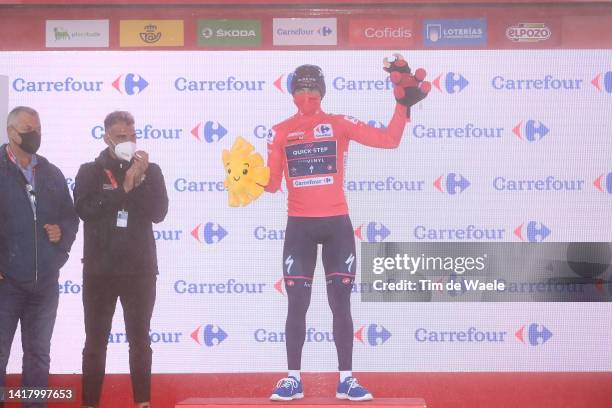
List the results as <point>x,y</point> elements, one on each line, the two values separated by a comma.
<point>229,33</point>
<point>528,32</point>
<point>304,31</point>
<point>151,33</point>
<point>76,34</point>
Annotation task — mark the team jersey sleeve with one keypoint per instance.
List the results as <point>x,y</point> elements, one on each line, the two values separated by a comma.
<point>276,161</point>
<point>387,138</point>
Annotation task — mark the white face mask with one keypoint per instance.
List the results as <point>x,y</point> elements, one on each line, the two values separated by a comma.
<point>125,151</point>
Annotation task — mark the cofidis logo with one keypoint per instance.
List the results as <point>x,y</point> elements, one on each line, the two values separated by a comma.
<point>381,32</point>
<point>449,33</point>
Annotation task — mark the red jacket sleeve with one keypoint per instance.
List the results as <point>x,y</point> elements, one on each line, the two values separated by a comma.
<point>276,161</point>
<point>388,138</point>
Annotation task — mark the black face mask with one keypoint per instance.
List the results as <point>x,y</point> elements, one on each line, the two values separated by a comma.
<point>30,141</point>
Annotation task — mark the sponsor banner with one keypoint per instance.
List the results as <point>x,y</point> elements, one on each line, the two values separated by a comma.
<point>452,33</point>
<point>151,33</point>
<point>229,33</point>
<point>304,31</point>
<point>76,33</point>
<point>393,33</point>
<point>587,32</point>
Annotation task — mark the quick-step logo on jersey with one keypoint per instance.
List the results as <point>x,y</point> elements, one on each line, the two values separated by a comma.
<point>311,159</point>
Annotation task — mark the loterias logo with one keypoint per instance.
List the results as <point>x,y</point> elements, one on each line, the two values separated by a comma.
<point>209,233</point>
<point>304,31</point>
<point>603,82</point>
<point>533,334</point>
<point>372,232</point>
<point>210,131</point>
<point>229,33</point>
<point>604,183</point>
<point>209,335</point>
<point>451,183</point>
<point>442,33</point>
<point>373,335</point>
<point>532,231</point>
<point>130,84</point>
<point>381,32</point>
<point>450,83</point>
<point>528,32</point>
<point>530,130</point>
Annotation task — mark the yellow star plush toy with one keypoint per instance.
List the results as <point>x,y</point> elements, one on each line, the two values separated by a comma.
<point>245,173</point>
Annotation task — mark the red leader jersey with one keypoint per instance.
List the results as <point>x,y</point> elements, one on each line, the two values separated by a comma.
<point>311,151</point>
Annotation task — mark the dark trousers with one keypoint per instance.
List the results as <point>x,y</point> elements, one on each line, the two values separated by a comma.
<point>137,296</point>
<point>35,306</point>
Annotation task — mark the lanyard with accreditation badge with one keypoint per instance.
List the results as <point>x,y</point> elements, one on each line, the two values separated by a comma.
<point>122,215</point>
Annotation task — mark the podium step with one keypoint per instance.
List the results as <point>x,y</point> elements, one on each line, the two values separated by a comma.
<point>303,403</point>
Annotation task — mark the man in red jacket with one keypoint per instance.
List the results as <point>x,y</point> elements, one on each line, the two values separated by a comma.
<point>310,149</point>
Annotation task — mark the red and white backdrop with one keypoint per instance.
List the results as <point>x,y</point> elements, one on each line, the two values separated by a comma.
<point>517,130</point>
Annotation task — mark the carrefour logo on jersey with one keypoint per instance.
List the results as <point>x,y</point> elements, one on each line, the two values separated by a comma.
<point>229,84</point>
<point>146,132</point>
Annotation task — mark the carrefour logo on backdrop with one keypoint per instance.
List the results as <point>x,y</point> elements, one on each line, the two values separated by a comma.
<point>274,336</point>
<point>532,231</point>
<point>262,233</point>
<point>70,288</point>
<point>604,183</point>
<point>467,131</point>
<point>533,335</point>
<point>548,184</point>
<point>468,233</point>
<point>209,233</point>
<point>531,130</point>
<point>229,84</point>
<point>130,84</point>
<point>229,288</point>
<point>209,335</point>
<point>603,82</point>
<point>209,131</point>
<point>68,84</point>
<point>549,82</point>
<point>163,337</point>
<point>183,185</point>
<point>450,83</point>
<point>373,232</point>
<point>373,335</point>
<point>341,83</point>
<point>146,132</point>
<point>283,83</point>
<point>451,183</point>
